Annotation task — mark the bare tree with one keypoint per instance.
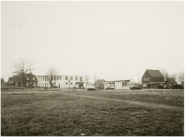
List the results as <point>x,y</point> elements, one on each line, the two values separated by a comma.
<point>51,76</point>
<point>164,73</point>
<point>87,79</point>
<point>22,67</point>
<point>174,76</point>
<point>181,76</point>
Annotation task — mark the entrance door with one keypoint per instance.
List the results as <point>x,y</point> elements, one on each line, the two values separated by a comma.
<point>149,86</point>
<point>19,84</point>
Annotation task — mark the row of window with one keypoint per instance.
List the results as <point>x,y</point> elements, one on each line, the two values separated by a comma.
<point>27,84</point>
<point>70,83</point>
<point>43,84</point>
<point>146,79</point>
<point>71,78</point>
<point>59,78</point>
<point>27,78</point>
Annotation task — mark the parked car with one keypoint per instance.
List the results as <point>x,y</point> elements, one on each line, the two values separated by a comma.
<point>91,87</point>
<point>135,87</point>
<point>110,86</point>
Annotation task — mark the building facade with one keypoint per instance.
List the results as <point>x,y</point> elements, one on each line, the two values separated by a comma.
<point>26,80</point>
<point>100,83</point>
<point>118,84</point>
<point>170,82</point>
<point>61,81</point>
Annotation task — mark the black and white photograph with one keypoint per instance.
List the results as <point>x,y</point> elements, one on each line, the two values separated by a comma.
<point>92,68</point>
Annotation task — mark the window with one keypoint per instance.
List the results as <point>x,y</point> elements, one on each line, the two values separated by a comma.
<point>66,83</point>
<point>81,78</point>
<point>123,84</point>
<point>144,85</point>
<point>33,78</point>
<point>27,84</point>
<point>71,78</point>
<point>144,79</point>
<point>147,79</point>
<point>76,78</point>
<point>66,77</point>
<point>71,83</point>
<point>27,78</point>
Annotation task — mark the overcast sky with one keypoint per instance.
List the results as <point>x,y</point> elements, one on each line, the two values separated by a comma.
<point>112,40</point>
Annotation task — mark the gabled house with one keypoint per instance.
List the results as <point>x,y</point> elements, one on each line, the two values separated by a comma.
<point>152,79</point>
<point>170,82</point>
<point>28,80</point>
<point>15,81</point>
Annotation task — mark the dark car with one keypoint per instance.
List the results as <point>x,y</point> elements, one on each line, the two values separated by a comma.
<point>135,87</point>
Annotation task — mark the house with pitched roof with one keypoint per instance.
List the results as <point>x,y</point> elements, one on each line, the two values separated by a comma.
<point>152,79</point>
<point>100,83</point>
<point>15,81</point>
<point>26,80</point>
<point>170,82</point>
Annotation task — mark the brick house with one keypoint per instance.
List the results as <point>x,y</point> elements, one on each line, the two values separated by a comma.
<point>170,82</point>
<point>152,79</point>
<point>28,80</point>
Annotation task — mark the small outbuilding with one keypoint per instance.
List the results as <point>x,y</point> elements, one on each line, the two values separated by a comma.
<point>118,84</point>
<point>170,82</point>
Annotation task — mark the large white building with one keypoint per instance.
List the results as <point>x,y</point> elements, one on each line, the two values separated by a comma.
<point>62,81</point>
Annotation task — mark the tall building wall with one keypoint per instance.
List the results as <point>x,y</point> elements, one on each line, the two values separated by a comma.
<point>62,81</point>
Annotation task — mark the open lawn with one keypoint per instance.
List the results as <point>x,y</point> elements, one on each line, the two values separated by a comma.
<point>98,113</point>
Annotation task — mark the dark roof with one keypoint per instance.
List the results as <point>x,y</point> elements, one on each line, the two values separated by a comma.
<point>10,79</point>
<point>17,78</point>
<point>171,80</point>
<point>154,73</point>
<point>100,80</point>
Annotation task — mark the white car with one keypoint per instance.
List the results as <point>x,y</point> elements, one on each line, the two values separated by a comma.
<point>91,87</point>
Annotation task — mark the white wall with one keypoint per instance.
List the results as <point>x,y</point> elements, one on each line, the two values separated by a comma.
<point>63,82</point>
<point>119,85</point>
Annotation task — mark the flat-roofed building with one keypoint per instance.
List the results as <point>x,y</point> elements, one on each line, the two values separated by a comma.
<point>62,81</point>
<point>118,84</point>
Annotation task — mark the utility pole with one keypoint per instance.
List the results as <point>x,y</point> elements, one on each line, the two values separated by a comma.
<point>94,79</point>
<point>69,83</point>
<point>138,75</point>
<point>45,82</point>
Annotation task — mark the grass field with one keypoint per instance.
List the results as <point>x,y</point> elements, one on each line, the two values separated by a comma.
<point>98,113</point>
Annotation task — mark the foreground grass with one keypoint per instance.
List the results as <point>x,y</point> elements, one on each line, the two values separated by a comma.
<point>53,113</point>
